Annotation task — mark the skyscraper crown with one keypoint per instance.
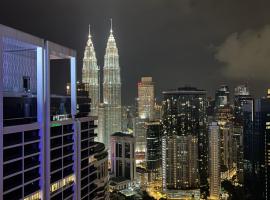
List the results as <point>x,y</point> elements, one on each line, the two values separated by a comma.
<point>89,52</point>
<point>111,44</point>
<point>90,73</point>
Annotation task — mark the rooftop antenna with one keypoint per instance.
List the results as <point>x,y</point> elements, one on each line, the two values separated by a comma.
<point>111,26</point>
<point>89,33</point>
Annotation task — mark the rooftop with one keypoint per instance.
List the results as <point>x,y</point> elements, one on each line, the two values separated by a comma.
<point>185,90</point>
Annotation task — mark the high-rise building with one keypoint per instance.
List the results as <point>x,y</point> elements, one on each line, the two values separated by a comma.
<point>255,113</point>
<point>241,90</point>
<point>102,125</point>
<point>222,96</point>
<point>146,98</point>
<point>146,112</point>
<point>153,148</point>
<point>267,156</point>
<point>258,170</point>
<point>157,111</point>
<point>214,160</point>
<point>224,117</point>
<point>238,152</point>
<point>90,75</point>
<point>42,156</point>
<point>247,121</point>
<point>123,157</point>
<point>241,97</point>
<point>267,152</point>
<point>243,130</point>
<point>226,137</point>
<point>139,129</point>
<point>93,163</point>
<point>184,140</point>
<point>111,90</point>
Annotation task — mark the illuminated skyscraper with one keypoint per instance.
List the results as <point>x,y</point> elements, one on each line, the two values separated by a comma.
<point>146,98</point>
<point>222,96</point>
<point>102,124</point>
<point>90,74</point>
<point>214,156</point>
<point>184,141</point>
<point>226,137</point>
<point>111,89</point>
<point>145,113</point>
<point>267,151</point>
<point>241,90</point>
<point>139,129</point>
<point>224,117</point>
<point>241,97</point>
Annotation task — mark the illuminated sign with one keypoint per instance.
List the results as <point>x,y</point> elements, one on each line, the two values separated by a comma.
<point>55,124</point>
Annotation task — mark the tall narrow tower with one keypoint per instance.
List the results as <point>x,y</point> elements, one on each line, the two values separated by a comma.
<point>146,98</point>
<point>90,74</point>
<point>111,90</point>
<point>214,154</point>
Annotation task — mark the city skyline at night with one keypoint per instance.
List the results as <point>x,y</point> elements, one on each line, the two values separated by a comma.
<point>187,40</point>
<point>135,100</point>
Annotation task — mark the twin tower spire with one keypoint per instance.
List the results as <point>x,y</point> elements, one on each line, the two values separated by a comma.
<point>110,115</point>
<point>89,27</point>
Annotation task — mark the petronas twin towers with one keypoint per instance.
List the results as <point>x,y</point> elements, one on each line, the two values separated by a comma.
<point>108,110</point>
<point>90,74</point>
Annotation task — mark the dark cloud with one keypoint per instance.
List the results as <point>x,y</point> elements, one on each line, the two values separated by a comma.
<point>246,55</point>
<point>166,39</point>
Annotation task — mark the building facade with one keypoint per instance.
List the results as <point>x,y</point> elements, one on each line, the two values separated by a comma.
<point>184,140</point>
<point>241,97</point>
<point>267,156</point>
<point>40,149</point>
<point>123,156</point>
<point>139,130</point>
<point>153,148</point>
<point>244,126</point>
<point>222,97</point>
<point>258,172</point>
<point>93,165</point>
<point>214,160</point>
<point>146,98</point>
<point>224,116</point>
<point>226,138</point>
<point>238,152</point>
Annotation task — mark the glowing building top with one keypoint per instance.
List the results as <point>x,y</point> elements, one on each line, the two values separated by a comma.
<point>90,74</point>
<point>111,78</point>
<point>241,90</point>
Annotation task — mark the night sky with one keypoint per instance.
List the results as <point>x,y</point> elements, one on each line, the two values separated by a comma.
<point>202,43</point>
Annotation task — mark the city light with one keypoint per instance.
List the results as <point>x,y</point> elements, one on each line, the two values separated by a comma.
<point>138,100</point>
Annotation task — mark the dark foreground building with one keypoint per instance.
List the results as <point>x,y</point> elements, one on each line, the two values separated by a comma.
<point>46,141</point>
<point>153,148</point>
<point>257,176</point>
